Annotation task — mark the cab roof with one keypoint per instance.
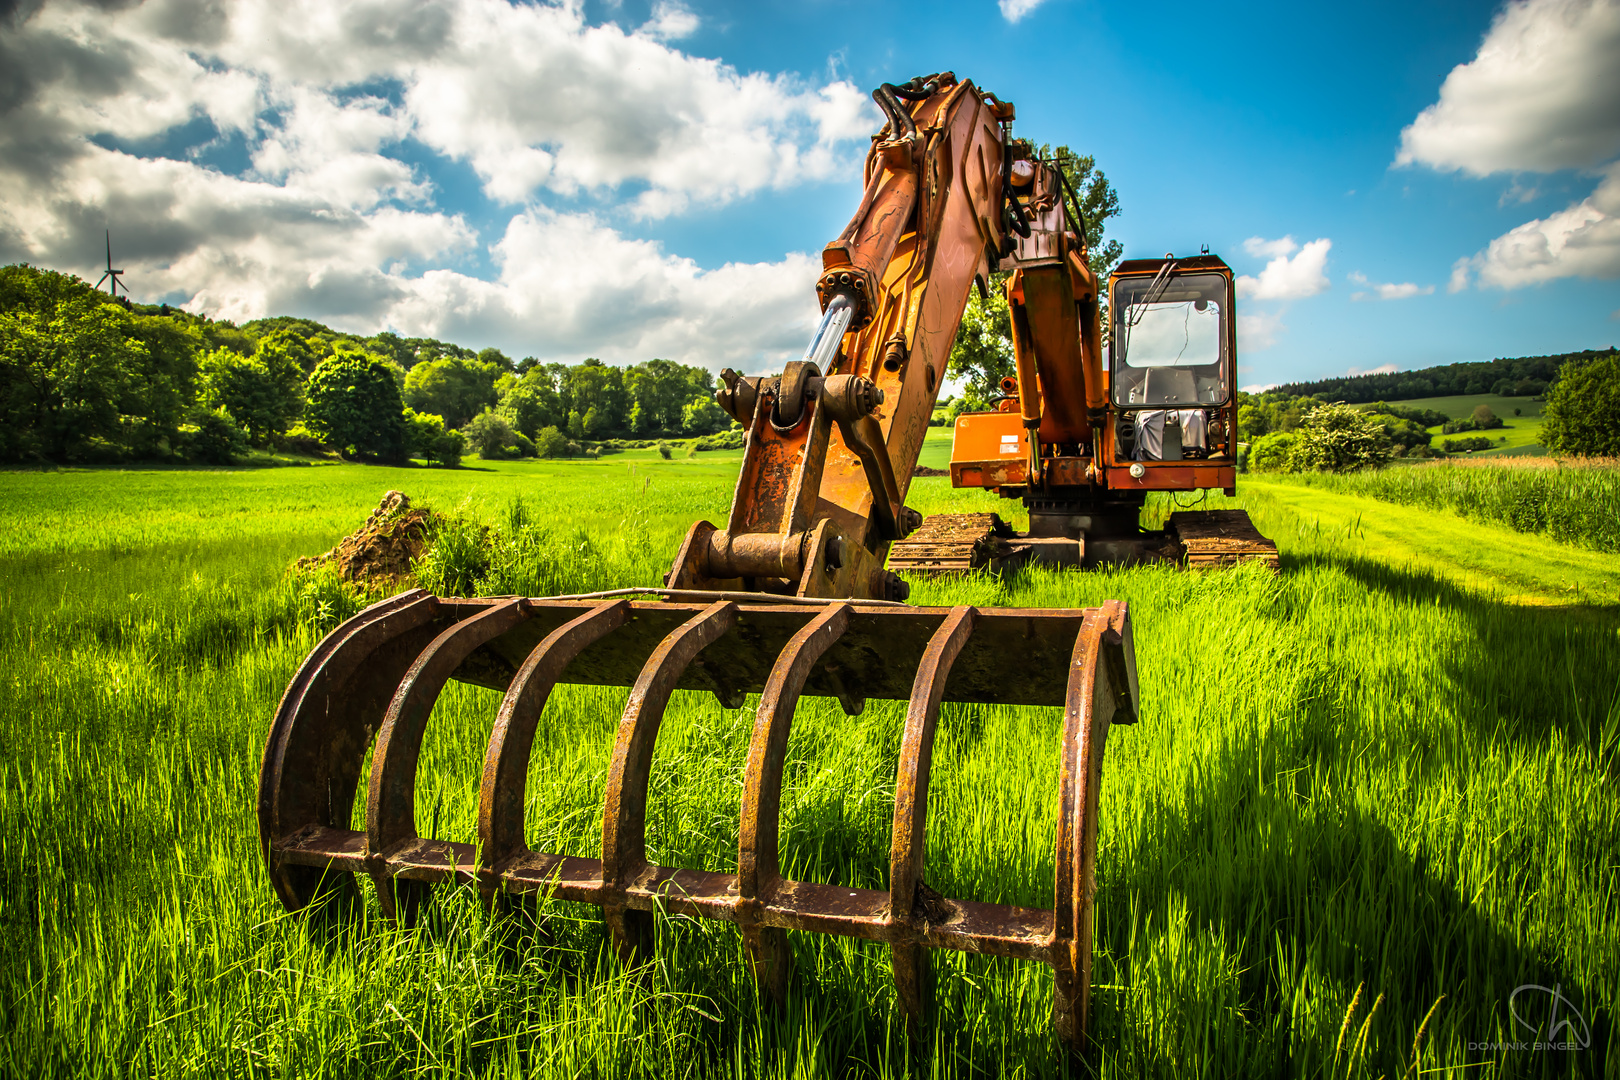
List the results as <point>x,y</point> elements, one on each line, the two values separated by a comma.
<point>1187,262</point>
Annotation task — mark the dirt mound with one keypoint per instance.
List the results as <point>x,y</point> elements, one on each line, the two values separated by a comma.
<point>381,551</point>
<point>924,470</point>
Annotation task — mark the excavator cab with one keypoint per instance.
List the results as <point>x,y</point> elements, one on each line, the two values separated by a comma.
<point>1173,362</point>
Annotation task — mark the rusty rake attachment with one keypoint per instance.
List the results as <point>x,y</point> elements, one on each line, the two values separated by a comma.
<point>380,673</point>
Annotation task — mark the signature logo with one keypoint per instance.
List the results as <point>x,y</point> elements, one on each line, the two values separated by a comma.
<point>1546,1013</point>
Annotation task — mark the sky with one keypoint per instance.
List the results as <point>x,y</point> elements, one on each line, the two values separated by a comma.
<point>1398,185</point>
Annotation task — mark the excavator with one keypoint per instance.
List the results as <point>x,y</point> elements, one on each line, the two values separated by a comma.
<point>803,589</point>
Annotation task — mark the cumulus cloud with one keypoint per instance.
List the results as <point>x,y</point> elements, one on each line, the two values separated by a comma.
<point>1284,277</point>
<point>330,108</point>
<point>1542,94</point>
<point>1391,291</point>
<point>1262,248</point>
<point>1580,241</point>
<point>1013,10</point>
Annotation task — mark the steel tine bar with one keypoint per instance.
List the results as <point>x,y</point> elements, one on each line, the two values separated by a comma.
<point>758,863</point>
<point>322,729</point>
<point>505,779</point>
<point>624,804</point>
<point>391,806</point>
<point>1092,699</point>
<point>911,803</point>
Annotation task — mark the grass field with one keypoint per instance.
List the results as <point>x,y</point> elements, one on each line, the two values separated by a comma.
<point>1518,434</point>
<point>1367,800</point>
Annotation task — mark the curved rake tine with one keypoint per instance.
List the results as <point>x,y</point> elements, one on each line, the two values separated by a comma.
<point>318,743</point>
<point>1098,677</point>
<point>393,845</point>
<point>624,809</point>
<point>758,863</point>
<point>502,791</point>
<point>909,899</point>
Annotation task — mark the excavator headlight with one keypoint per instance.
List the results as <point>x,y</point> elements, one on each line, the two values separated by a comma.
<point>1137,471</point>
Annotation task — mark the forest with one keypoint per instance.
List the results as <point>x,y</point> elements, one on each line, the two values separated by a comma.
<point>84,379</point>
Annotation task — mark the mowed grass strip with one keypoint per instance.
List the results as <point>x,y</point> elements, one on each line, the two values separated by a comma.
<point>1366,786</point>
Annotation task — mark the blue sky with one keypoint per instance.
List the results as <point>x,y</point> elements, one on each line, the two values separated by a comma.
<point>1399,185</point>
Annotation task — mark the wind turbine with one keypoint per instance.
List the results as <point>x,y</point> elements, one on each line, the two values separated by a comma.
<point>111,273</point>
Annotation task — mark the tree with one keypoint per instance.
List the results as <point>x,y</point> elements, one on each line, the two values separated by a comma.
<point>1339,438</point>
<point>529,405</point>
<point>492,435</point>
<point>65,354</point>
<point>452,387</point>
<point>1582,414</point>
<point>983,353</point>
<point>550,443</point>
<point>703,416</point>
<point>354,404</point>
<point>1484,418</point>
<point>262,393</point>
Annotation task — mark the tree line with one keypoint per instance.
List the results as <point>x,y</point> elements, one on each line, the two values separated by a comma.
<point>86,378</point>
<point>1522,376</point>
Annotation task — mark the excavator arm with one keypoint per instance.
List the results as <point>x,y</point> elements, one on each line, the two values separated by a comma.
<point>833,441</point>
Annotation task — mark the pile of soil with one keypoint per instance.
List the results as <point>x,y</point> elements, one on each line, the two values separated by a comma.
<point>381,551</point>
<point>924,470</point>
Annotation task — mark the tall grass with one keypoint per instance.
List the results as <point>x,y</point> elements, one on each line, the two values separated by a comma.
<point>1574,504</point>
<point>1361,807</point>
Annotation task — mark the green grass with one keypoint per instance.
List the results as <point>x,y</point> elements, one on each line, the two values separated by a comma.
<point>1372,786</point>
<point>1571,503</point>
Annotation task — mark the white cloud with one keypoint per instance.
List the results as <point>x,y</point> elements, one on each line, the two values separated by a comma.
<point>1459,275</point>
<point>1262,248</point>
<point>1013,10</point>
<point>1381,369</point>
<point>1257,330</point>
<point>1257,388</point>
<point>669,22</point>
<point>1286,278</point>
<point>1542,94</point>
<point>1399,291</point>
<point>1580,241</point>
<point>333,102</point>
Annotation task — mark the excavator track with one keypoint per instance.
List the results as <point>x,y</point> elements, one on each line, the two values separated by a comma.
<point>1215,538</point>
<point>955,544</point>
<point>961,543</point>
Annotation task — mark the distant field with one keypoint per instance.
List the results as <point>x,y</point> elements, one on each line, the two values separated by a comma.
<point>1518,433</point>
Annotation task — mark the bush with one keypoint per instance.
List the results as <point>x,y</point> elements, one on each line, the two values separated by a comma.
<point>734,438</point>
<point>1468,445</point>
<point>428,439</point>
<point>300,440</point>
<point>1273,452</point>
<point>354,405</point>
<point>550,443</point>
<point>1484,419</point>
<point>664,450</point>
<point>1582,415</point>
<point>1340,438</point>
<point>213,438</point>
<point>522,446</point>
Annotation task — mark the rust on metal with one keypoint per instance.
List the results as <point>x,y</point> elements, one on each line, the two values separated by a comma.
<point>382,671</point>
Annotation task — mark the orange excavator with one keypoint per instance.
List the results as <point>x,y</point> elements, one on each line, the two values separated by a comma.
<point>798,593</point>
